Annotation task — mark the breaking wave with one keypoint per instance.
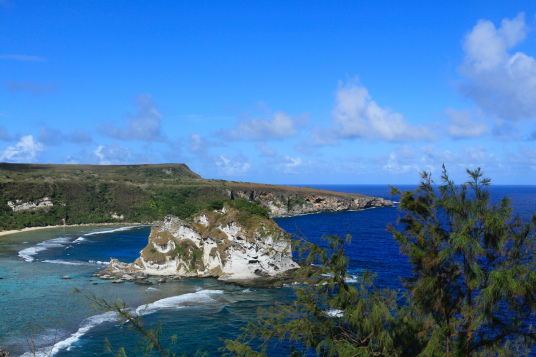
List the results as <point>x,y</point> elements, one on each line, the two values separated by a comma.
<point>179,301</point>
<point>29,254</point>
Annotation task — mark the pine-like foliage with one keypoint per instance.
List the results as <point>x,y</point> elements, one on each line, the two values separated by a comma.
<point>473,268</point>
<point>471,292</point>
<point>330,317</point>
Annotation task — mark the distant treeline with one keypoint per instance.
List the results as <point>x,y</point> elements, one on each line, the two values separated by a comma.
<point>95,194</point>
<point>85,202</point>
<point>123,193</point>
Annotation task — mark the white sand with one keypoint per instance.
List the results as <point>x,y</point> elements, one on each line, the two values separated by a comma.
<point>29,229</point>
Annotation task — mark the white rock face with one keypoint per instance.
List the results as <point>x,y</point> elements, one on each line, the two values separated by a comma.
<point>281,205</point>
<point>214,244</point>
<point>18,205</point>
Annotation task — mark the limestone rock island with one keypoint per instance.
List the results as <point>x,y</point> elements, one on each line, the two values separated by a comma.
<point>232,243</point>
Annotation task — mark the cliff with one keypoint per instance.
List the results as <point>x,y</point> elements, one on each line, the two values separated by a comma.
<point>231,244</point>
<point>281,204</point>
<point>47,195</point>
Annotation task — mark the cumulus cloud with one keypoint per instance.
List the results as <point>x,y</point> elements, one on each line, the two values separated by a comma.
<point>145,125</point>
<point>469,157</point>
<point>30,87</point>
<point>236,166</point>
<point>357,116</point>
<point>290,165</point>
<point>198,144</point>
<point>25,150</point>
<point>280,126</point>
<point>401,161</point>
<point>462,126</point>
<point>113,154</point>
<point>411,161</point>
<point>22,57</point>
<point>501,83</point>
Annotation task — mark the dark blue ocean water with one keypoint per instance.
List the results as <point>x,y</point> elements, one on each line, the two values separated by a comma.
<point>34,298</point>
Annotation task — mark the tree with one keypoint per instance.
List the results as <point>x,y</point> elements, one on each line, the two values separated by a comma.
<point>332,317</point>
<point>471,292</point>
<point>474,269</point>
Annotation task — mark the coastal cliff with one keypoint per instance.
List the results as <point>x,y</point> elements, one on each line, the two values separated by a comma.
<point>39,195</point>
<point>282,204</point>
<point>232,244</point>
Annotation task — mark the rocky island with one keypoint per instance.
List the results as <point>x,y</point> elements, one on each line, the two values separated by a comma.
<point>201,228</point>
<point>236,243</point>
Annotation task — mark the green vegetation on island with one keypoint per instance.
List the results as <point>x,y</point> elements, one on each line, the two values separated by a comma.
<point>45,194</point>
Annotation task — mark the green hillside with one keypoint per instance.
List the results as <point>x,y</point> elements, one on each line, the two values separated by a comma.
<point>77,194</point>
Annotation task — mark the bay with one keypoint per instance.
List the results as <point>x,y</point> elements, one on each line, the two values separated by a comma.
<point>35,299</point>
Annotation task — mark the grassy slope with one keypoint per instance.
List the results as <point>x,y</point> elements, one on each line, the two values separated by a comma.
<point>92,193</point>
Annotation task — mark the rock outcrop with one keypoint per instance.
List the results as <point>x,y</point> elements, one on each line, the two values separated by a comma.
<point>282,205</point>
<point>18,205</point>
<point>230,244</point>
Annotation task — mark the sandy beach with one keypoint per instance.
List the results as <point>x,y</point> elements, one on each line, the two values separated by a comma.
<point>29,229</point>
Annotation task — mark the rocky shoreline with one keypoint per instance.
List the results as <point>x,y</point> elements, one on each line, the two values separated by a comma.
<point>228,244</point>
<point>286,205</point>
<point>232,244</point>
<point>276,281</point>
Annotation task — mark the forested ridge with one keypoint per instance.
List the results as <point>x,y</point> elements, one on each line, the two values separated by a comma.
<point>78,194</point>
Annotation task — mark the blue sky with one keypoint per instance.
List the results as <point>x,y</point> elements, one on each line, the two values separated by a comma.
<point>294,92</point>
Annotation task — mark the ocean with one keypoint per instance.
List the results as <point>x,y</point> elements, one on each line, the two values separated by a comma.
<point>38,308</point>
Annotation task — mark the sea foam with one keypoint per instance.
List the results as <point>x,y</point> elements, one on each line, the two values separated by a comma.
<point>29,253</point>
<point>185,300</point>
<point>68,262</point>
<point>190,299</point>
<point>110,231</point>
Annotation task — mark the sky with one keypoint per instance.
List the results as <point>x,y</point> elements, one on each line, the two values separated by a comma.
<point>282,92</point>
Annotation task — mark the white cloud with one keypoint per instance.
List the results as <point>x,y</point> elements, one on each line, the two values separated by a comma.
<point>357,116</point>
<point>281,126</point>
<point>411,161</point>
<point>401,161</point>
<point>113,154</point>
<point>291,165</point>
<point>24,151</point>
<point>502,84</point>
<point>143,126</point>
<point>198,144</point>
<point>467,158</point>
<point>236,166</point>
<point>461,125</point>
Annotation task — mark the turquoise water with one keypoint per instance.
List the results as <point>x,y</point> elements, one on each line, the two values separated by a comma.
<point>35,299</point>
